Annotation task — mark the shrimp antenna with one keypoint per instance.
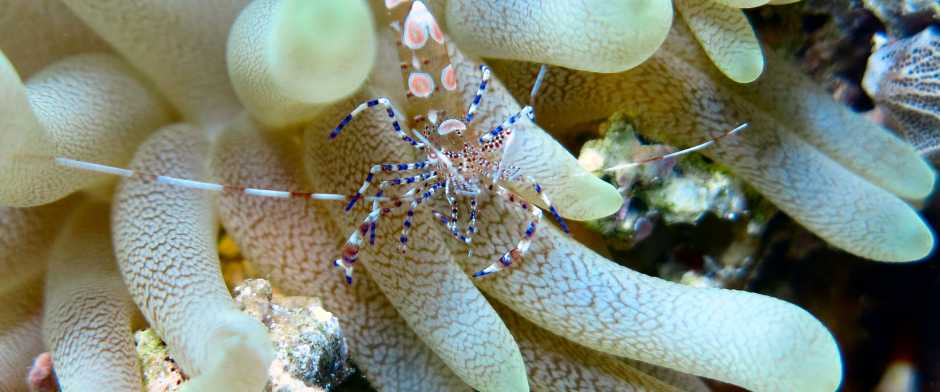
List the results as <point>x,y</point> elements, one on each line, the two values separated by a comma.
<point>195,184</point>
<point>680,152</point>
<point>543,70</point>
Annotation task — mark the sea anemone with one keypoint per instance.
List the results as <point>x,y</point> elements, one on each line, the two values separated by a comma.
<point>187,98</point>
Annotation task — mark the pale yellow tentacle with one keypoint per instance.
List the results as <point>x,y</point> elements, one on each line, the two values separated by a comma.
<point>90,106</point>
<point>36,33</point>
<point>592,35</point>
<point>727,37</point>
<point>747,339</point>
<point>178,44</point>
<point>838,205</point>
<point>166,249</point>
<point>25,235</point>
<point>287,58</point>
<point>557,364</point>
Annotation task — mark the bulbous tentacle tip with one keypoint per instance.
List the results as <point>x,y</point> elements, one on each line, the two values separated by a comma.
<point>918,180</point>
<point>603,198</point>
<point>727,37</point>
<point>576,193</point>
<point>818,365</point>
<point>240,357</point>
<point>109,110</point>
<point>914,239</point>
<point>322,50</point>
<point>287,58</point>
<point>746,69</point>
<point>583,196</point>
<point>625,33</point>
<point>819,359</point>
<point>923,188</point>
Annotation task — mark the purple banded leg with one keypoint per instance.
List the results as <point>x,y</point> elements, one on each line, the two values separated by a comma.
<point>409,215</point>
<point>551,207</point>
<point>475,104</point>
<point>420,178</point>
<point>452,202</point>
<point>527,112</point>
<point>451,226</point>
<point>472,224</point>
<point>350,252</point>
<point>396,126</point>
<point>522,247</point>
<point>385,168</point>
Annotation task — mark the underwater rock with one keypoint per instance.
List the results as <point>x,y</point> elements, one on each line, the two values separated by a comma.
<point>682,194</point>
<point>674,193</point>
<point>160,372</point>
<point>901,78</point>
<point>311,352</point>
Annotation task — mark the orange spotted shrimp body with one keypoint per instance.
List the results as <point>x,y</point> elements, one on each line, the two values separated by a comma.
<point>460,162</point>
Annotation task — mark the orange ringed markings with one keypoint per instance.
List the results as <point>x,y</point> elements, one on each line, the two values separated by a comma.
<point>420,84</point>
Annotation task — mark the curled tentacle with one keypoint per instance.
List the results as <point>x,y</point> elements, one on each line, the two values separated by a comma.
<point>166,249</point>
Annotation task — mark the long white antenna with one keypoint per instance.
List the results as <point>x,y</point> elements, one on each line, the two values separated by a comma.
<point>200,185</point>
<point>677,153</point>
<point>543,70</point>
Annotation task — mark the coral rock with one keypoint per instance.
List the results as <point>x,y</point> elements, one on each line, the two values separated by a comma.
<point>160,372</point>
<point>311,352</point>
